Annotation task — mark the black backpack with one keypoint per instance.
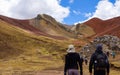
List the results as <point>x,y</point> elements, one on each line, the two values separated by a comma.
<point>101,60</point>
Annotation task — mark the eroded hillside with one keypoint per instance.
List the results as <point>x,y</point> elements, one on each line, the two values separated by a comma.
<point>20,49</point>
<point>105,27</point>
<point>36,44</point>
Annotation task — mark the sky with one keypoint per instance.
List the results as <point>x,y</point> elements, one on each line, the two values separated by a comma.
<point>65,11</point>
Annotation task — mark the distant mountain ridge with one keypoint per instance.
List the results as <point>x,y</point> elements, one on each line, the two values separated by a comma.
<point>47,26</point>
<point>103,27</point>
<point>41,26</point>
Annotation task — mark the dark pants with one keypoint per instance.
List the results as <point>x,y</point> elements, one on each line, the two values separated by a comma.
<point>100,72</point>
<point>73,72</point>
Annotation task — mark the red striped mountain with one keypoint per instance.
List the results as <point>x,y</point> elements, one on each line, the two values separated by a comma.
<point>47,26</point>
<point>41,25</point>
<point>105,27</point>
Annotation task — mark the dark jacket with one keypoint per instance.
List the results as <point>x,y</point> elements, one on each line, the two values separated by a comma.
<point>92,63</point>
<point>71,62</point>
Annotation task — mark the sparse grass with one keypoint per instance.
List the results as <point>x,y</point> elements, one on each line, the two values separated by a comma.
<point>21,49</point>
<point>116,63</point>
<point>115,66</point>
<point>86,30</point>
<point>114,72</point>
<point>53,27</point>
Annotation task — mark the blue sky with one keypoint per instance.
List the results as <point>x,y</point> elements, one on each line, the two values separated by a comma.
<point>64,11</point>
<point>81,10</point>
<point>78,9</point>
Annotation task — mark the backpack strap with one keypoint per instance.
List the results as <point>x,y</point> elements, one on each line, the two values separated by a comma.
<point>96,54</point>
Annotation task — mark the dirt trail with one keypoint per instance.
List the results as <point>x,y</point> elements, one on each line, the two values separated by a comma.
<point>85,70</point>
<point>47,72</point>
<point>60,72</point>
<point>50,72</point>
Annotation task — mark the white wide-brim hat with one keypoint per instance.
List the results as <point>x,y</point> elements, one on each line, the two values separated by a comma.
<point>71,48</point>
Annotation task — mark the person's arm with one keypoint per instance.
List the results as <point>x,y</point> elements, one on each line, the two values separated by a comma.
<point>81,69</point>
<point>65,67</point>
<point>91,64</point>
<point>80,60</point>
<point>108,66</point>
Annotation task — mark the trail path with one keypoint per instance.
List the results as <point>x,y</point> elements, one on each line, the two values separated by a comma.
<point>50,72</point>
<point>58,71</point>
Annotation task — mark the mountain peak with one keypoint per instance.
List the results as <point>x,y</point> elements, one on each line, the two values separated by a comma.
<point>45,16</point>
<point>95,19</point>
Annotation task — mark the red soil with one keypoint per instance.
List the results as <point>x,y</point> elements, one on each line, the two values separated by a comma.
<point>103,27</point>
<point>24,24</point>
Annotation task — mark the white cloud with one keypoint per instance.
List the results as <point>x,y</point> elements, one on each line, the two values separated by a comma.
<point>88,14</point>
<point>71,1</point>
<point>106,10</point>
<point>59,0</point>
<point>80,22</point>
<point>24,9</point>
<point>5,5</point>
<point>76,12</point>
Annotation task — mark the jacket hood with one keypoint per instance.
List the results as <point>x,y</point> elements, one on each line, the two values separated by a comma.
<point>99,49</point>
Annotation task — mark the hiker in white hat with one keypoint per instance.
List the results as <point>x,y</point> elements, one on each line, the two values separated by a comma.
<point>71,48</point>
<point>72,59</point>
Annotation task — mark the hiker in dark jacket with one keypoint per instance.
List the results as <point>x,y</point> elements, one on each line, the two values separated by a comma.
<point>72,59</point>
<point>86,60</point>
<point>102,69</point>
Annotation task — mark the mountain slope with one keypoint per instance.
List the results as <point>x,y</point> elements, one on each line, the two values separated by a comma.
<point>26,24</point>
<point>102,27</point>
<point>82,30</point>
<point>49,25</point>
<point>19,48</point>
